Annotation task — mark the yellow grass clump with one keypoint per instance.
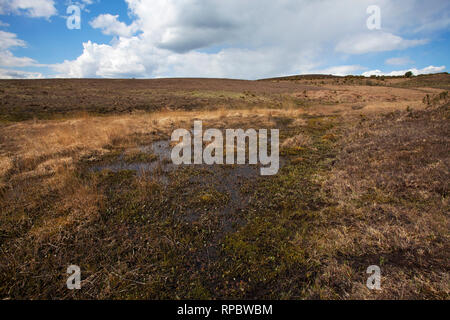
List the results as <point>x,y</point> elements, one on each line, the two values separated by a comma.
<point>299,140</point>
<point>5,165</point>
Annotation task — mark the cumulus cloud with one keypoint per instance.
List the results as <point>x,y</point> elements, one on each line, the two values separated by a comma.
<point>247,39</point>
<point>83,4</point>
<point>17,74</point>
<point>31,8</point>
<point>8,59</point>
<point>9,40</point>
<point>99,60</point>
<point>376,42</point>
<point>415,71</point>
<point>110,25</point>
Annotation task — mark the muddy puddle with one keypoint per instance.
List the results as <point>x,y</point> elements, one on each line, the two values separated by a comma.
<point>157,168</point>
<point>231,180</point>
<point>162,164</point>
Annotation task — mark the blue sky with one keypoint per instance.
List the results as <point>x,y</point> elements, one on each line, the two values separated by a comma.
<point>214,38</point>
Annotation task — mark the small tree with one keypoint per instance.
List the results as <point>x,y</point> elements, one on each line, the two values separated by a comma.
<point>409,74</point>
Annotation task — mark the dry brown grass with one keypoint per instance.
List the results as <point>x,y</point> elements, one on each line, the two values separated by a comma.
<point>5,165</point>
<point>383,201</point>
<point>30,141</point>
<point>390,188</point>
<point>299,140</point>
<point>43,153</point>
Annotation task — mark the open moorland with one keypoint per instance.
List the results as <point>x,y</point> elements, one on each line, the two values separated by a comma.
<point>86,179</point>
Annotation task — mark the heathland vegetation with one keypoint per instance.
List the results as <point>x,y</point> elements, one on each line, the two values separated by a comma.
<point>364,178</point>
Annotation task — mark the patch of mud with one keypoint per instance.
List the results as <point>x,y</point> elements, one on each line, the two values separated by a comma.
<point>158,148</point>
<point>158,169</point>
<point>226,179</point>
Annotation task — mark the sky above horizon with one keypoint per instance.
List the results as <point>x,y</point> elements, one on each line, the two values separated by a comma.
<point>245,39</point>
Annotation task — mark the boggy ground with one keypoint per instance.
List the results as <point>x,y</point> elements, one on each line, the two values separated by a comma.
<point>363,181</point>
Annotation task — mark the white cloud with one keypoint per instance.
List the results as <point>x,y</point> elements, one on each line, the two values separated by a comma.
<point>252,39</point>
<point>427,70</point>
<point>100,60</point>
<point>410,16</point>
<point>440,24</point>
<point>376,42</point>
<point>339,70</point>
<point>31,8</point>
<point>133,57</point>
<point>9,40</point>
<point>110,25</point>
<point>247,39</point>
<point>17,74</point>
<point>3,24</point>
<point>83,4</point>
<point>8,59</point>
<point>398,61</point>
